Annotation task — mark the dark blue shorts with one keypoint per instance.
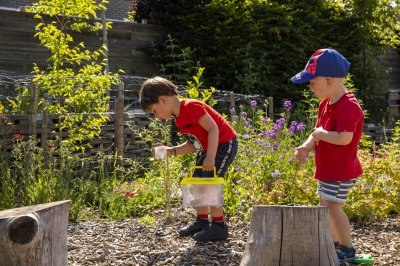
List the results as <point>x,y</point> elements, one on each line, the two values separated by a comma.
<point>225,154</point>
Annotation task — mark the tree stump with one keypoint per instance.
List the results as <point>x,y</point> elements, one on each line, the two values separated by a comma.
<point>289,235</point>
<point>34,235</point>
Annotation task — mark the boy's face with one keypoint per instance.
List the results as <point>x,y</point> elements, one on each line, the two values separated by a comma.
<point>161,110</point>
<point>320,86</point>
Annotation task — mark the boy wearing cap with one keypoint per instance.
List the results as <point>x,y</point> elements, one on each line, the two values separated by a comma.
<point>335,140</point>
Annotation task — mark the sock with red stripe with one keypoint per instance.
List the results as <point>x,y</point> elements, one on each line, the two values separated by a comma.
<point>219,220</point>
<point>202,217</point>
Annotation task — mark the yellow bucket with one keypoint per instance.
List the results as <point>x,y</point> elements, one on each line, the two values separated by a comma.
<point>202,191</point>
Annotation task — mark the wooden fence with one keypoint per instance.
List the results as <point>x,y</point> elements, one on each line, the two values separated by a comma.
<point>128,44</point>
<point>116,135</point>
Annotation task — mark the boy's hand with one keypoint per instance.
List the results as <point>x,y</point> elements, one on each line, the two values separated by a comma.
<point>301,153</point>
<point>170,151</point>
<point>208,164</point>
<point>318,133</point>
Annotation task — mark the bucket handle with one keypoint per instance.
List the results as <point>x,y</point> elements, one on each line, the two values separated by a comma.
<point>200,167</point>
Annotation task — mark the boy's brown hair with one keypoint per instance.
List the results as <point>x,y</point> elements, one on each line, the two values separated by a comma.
<point>153,88</point>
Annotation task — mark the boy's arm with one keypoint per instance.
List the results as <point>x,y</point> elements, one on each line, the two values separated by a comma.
<point>302,151</point>
<point>184,148</point>
<point>333,137</point>
<point>309,144</point>
<point>211,127</point>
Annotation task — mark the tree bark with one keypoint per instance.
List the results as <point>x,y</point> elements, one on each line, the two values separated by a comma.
<point>34,235</point>
<point>289,235</point>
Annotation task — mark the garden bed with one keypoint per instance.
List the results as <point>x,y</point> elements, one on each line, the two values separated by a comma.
<point>130,243</point>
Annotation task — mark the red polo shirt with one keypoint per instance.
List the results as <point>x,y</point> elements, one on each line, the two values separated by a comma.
<point>188,122</point>
<point>339,162</point>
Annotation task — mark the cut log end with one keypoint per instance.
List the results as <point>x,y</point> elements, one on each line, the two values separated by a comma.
<point>289,235</point>
<point>23,229</point>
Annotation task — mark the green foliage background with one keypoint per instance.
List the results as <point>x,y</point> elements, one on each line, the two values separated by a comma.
<point>254,47</point>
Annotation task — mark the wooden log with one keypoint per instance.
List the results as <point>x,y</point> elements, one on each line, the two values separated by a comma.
<point>35,235</point>
<point>289,235</point>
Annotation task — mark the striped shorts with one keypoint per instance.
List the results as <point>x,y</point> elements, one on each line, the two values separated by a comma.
<point>335,191</point>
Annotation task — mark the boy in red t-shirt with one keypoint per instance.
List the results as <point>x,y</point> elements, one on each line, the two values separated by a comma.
<point>208,132</point>
<point>335,140</point>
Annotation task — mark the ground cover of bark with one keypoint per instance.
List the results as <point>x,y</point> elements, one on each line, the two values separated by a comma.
<point>130,243</point>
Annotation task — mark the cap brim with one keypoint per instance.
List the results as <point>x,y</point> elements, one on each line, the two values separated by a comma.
<point>302,77</point>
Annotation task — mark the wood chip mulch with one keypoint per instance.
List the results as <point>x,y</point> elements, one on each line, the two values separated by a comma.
<point>130,243</point>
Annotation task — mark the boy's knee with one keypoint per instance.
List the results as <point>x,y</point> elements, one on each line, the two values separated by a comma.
<point>331,204</point>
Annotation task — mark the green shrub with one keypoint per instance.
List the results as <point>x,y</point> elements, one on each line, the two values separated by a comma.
<point>254,47</point>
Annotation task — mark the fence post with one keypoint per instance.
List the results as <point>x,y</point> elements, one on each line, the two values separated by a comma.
<point>45,124</point>
<point>32,117</point>
<point>119,122</point>
<point>231,99</point>
<point>271,108</point>
<point>105,40</point>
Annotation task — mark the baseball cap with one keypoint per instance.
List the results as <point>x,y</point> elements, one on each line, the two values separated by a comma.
<point>325,63</point>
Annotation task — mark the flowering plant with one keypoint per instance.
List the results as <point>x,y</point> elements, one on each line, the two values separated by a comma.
<point>265,170</point>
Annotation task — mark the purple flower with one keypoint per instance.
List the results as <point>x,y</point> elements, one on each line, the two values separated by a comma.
<point>292,128</point>
<point>245,123</point>
<point>288,105</point>
<point>263,133</point>
<point>253,104</point>
<point>246,136</point>
<point>275,146</point>
<point>265,120</point>
<point>275,174</point>
<point>239,169</point>
<point>279,123</point>
<point>244,114</point>
<point>271,134</point>
<point>232,110</point>
<point>267,144</point>
<point>234,117</point>
<point>301,126</point>
<point>258,142</point>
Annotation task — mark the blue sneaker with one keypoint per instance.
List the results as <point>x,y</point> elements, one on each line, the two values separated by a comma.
<point>345,253</point>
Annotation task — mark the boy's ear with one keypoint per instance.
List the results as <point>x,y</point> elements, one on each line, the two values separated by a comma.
<point>162,99</point>
<point>329,81</point>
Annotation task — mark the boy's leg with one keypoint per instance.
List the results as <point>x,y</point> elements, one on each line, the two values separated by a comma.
<point>201,220</point>
<point>333,195</point>
<point>339,223</point>
<point>218,230</point>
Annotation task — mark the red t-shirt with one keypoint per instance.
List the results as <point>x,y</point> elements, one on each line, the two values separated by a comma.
<point>188,122</point>
<point>339,162</point>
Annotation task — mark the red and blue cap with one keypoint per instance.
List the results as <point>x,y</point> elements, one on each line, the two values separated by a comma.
<point>325,63</point>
